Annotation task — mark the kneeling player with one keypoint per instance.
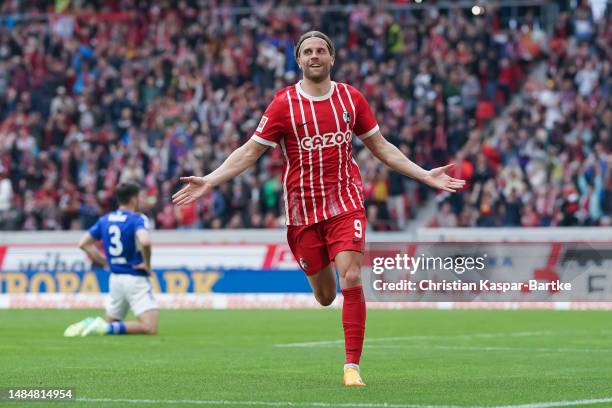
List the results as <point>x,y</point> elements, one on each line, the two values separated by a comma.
<point>127,251</point>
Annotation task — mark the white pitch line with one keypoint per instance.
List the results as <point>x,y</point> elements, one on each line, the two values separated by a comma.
<point>268,403</point>
<point>551,404</point>
<point>491,348</point>
<point>439,337</point>
<point>560,403</point>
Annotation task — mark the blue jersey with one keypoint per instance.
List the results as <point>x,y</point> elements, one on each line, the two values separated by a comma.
<point>117,230</point>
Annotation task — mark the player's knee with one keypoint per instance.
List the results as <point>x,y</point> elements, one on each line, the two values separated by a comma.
<point>352,276</point>
<point>149,322</point>
<point>151,328</point>
<point>326,299</point>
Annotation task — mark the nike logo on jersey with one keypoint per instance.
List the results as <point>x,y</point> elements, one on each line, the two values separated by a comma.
<point>302,124</point>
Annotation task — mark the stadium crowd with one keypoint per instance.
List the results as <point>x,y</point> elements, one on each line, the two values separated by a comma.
<point>104,92</point>
<point>550,161</point>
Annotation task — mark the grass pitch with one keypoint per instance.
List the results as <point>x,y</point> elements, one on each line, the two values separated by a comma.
<point>234,358</point>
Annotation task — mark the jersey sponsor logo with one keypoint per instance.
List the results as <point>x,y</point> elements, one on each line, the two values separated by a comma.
<point>262,124</point>
<point>347,117</point>
<point>325,140</point>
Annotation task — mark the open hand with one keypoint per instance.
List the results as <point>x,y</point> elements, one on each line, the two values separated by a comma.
<point>196,187</point>
<point>437,178</point>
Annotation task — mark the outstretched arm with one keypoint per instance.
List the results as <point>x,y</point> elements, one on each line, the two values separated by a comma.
<point>237,162</point>
<point>395,159</point>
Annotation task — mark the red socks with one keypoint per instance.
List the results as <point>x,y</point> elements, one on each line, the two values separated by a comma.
<point>353,321</point>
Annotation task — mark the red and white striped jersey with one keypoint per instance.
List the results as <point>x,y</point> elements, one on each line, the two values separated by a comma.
<point>320,177</point>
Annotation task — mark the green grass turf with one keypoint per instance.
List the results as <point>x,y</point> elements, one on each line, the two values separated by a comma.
<point>230,355</point>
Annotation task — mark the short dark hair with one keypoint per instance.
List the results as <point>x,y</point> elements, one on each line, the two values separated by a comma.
<point>314,34</point>
<point>125,192</point>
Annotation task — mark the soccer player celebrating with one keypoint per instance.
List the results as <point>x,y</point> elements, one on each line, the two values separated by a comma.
<point>313,121</point>
<point>127,250</point>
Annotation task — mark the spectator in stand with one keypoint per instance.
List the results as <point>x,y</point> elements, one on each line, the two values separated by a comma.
<point>445,218</point>
<point>550,158</point>
<point>6,196</point>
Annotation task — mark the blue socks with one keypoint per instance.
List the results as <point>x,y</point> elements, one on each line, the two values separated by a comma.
<point>116,328</point>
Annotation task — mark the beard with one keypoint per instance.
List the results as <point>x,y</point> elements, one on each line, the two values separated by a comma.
<point>318,74</point>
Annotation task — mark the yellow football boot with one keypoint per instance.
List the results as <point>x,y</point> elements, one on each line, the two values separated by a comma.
<point>352,377</point>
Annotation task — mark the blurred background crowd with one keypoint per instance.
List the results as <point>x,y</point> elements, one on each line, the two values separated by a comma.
<point>549,162</point>
<point>93,93</point>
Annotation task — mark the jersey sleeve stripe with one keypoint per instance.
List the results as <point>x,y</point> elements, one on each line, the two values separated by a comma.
<point>369,133</point>
<point>263,141</point>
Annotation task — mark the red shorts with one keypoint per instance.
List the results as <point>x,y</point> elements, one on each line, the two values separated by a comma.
<point>315,246</point>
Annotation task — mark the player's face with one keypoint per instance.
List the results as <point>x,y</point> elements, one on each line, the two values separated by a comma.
<point>315,60</point>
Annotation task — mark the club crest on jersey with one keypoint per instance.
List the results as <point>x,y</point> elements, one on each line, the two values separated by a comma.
<point>303,264</point>
<point>262,123</point>
<point>347,117</point>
